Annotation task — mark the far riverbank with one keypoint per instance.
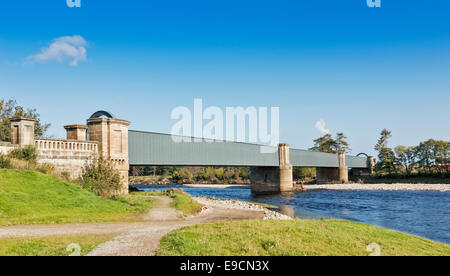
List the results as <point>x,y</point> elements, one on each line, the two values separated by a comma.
<point>373,187</point>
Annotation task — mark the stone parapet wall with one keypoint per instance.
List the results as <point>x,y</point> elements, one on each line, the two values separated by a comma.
<point>66,155</point>
<point>6,147</point>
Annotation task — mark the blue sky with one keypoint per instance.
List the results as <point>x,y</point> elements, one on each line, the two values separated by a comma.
<point>360,69</point>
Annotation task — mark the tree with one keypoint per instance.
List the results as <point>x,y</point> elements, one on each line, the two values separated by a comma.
<point>425,155</point>
<point>328,144</point>
<point>406,156</point>
<point>386,156</point>
<point>383,140</point>
<point>9,109</point>
<point>341,143</point>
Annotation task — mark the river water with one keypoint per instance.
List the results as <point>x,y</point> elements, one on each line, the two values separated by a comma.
<point>421,213</point>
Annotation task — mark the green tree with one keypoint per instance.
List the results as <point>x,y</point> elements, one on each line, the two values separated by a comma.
<point>325,143</point>
<point>425,155</point>
<point>385,135</point>
<point>386,156</point>
<point>10,109</point>
<point>406,156</point>
<point>328,144</point>
<point>341,143</point>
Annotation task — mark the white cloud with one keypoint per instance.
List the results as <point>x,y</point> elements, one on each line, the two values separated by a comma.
<point>70,49</point>
<point>320,126</point>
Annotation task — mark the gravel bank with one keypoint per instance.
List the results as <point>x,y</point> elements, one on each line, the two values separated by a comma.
<point>242,205</point>
<point>382,187</point>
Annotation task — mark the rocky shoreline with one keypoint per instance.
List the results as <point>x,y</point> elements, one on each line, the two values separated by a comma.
<point>241,205</point>
<point>382,187</point>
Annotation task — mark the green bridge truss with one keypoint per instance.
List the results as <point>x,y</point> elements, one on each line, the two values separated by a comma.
<point>148,148</point>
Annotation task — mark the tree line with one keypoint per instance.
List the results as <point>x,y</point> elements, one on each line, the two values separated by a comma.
<point>430,157</point>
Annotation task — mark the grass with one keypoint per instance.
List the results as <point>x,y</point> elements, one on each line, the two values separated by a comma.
<point>181,200</point>
<point>295,238</point>
<point>29,197</point>
<point>50,246</point>
<point>184,203</point>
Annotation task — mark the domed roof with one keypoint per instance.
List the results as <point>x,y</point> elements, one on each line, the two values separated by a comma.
<point>101,113</point>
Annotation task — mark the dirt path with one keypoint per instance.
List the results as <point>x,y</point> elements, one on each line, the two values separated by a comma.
<point>135,239</point>
<point>162,211</point>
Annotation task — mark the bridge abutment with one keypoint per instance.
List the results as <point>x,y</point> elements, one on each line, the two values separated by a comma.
<point>268,180</point>
<point>112,137</point>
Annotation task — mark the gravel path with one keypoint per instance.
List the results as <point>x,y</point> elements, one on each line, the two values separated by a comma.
<point>143,238</point>
<point>384,187</point>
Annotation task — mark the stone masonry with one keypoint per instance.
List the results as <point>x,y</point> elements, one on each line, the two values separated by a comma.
<point>333,175</point>
<point>112,137</point>
<point>267,180</point>
<point>105,136</point>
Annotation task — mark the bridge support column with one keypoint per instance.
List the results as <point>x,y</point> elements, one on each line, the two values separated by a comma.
<point>112,137</point>
<point>333,175</point>
<point>268,180</point>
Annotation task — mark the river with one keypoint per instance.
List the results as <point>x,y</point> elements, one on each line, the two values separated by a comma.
<point>421,213</point>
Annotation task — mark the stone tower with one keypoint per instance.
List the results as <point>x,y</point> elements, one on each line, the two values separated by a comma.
<point>22,131</point>
<point>112,137</point>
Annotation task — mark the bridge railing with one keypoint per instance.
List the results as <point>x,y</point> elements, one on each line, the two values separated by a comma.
<point>65,145</point>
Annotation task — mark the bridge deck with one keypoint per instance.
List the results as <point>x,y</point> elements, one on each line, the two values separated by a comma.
<point>148,148</point>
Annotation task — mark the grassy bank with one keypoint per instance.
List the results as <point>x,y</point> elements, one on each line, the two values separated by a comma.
<point>50,246</point>
<point>29,197</point>
<point>297,237</point>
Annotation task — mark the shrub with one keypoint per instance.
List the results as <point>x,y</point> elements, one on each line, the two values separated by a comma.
<point>244,173</point>
<point>65,176</point>
<point>303,172</point>
<point>176,176</point>
<point>45,168</point>
<point>100,176</point>
<point>5,163</point>
<point>219,173</point>
<point>229,174</point>
<point>27,153</point>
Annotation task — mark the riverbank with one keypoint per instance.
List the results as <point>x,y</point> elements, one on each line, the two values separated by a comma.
<point>381,187</point>
<point>295,238</point>
<point>242,205</point>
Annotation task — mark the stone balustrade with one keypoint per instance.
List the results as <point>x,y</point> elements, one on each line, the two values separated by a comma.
<point>65,145</point>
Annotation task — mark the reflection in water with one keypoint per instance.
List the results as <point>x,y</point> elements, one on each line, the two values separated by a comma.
<point>423,213</point>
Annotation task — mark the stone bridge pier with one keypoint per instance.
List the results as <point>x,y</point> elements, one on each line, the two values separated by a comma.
<point>269,180</point>
<point>333,175</point>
